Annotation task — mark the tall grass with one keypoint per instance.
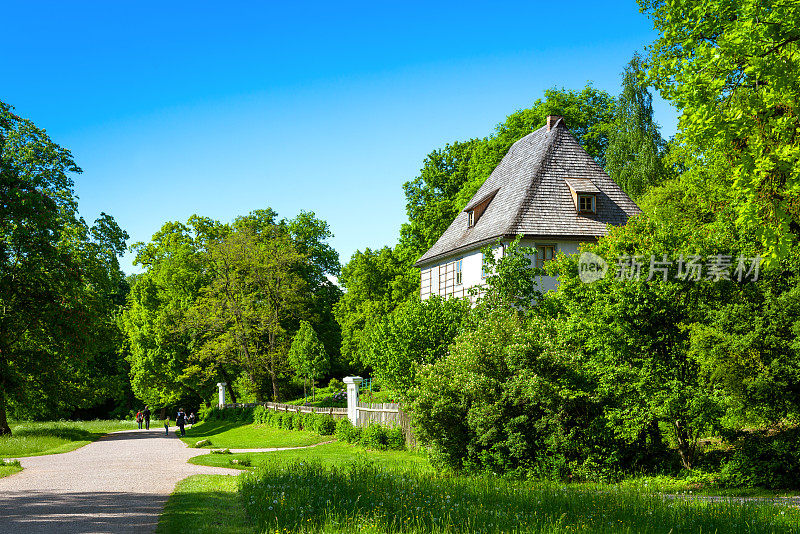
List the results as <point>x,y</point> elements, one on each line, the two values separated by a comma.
<point>34,438</point>
<point>310,497</point>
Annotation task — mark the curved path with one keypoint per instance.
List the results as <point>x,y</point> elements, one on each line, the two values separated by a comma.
<point>119,483</point>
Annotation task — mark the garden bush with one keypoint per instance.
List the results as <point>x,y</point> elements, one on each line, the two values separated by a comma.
<point>374,436</point>
<point>326,426</point>
<point>243,415</point>
<point>322,424</point>
<point>764,459</point>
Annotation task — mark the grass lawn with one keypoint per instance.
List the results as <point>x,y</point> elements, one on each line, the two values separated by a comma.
<point>205,504</point>
<point>9,468</point>
<point>237,435</point>
<point>343,488</point>
<point>34,438</point>
<point>329,454</point>
<point>311,496</point>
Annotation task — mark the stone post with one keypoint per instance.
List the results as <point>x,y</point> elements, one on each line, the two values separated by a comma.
<point>352,397</point>
<point>221,386</point>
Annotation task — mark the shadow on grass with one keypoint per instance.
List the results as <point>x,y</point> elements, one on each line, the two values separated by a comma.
<point>69,434</point>
<point>211,428</point>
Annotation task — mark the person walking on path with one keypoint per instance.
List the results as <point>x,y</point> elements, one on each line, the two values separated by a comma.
<point>181,421</point>
<point>191,420</point>
<point>139,418</point>
<point>166,425</point>
<point>146,415</point>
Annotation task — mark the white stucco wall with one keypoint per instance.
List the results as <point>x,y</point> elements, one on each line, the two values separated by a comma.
<point>439,278</point>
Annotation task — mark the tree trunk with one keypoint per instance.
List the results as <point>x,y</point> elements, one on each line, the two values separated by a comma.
<point>686,445</point>
<point>5,430</point>
<point>273,376</point>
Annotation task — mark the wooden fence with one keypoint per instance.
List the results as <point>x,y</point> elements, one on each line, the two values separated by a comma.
<point>386,414</point>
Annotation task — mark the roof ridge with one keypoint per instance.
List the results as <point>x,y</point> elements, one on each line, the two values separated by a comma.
<point>535,181</point>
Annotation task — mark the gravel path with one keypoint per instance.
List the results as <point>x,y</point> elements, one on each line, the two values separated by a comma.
<point>116,484</point>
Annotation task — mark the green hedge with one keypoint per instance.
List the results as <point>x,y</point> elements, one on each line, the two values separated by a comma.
<point>374,436</point>
<point>322,424</point>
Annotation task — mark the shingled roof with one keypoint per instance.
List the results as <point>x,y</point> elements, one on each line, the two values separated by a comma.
<point>532,197</point>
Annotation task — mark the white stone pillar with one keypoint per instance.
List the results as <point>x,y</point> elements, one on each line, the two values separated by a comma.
<point>352,397</point>
<point>221,386</point>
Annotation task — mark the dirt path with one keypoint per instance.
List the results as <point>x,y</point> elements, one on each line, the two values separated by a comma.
<point>116,484</point>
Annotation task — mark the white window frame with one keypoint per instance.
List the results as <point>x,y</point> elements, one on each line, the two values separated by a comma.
<point>459,272</point>
<point>593,208</point>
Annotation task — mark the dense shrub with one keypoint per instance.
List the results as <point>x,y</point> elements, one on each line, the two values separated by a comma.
<point>415,333</point>
<point>763,459</point>
<point>325,426</point>
<point>322,424</point>
<point>505,400</point>
<point>243,415</point>
<point>374,436</point>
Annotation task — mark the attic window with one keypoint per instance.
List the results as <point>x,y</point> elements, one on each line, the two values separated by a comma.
<point>476,208</point>
<point>587,204</point>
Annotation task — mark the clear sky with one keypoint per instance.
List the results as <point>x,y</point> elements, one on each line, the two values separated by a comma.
<point>220,108</point>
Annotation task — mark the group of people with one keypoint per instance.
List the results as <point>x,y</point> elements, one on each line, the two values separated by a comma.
<point>143,418</point>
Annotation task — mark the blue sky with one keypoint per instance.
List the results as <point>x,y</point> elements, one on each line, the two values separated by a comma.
<point>222,108</point>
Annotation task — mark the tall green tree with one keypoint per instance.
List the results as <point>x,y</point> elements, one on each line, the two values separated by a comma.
<point>732,68</point>
<point>369,279</point>
<point>253,290</point>
<point>416,333</point>
<point>307,356</point>
<point>57,274</point>
<point>635,146</point>
<point>164,367</point>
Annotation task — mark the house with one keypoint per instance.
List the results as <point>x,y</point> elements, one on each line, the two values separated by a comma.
<point>546,189</point>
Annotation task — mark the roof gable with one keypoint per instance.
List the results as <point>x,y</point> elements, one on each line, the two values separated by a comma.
<point>531,196</point>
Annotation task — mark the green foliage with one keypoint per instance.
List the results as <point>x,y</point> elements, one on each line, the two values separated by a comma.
<point>635,147</point>
<point>303,496</point>
<point>764,459</point>
<point>415,333</point>
<point>512,279</point>
<point>60,281</point>
<point>322,424</point>
<point>307,356</point>
<point>375,437</point>
<point>507,399</point>
<point>376,282</point>
<point>163,367</point>
<point>369,279</point>
<point>733,71</point>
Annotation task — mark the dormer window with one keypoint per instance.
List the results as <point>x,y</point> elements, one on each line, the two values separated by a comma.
<point>584,194</point>
<point>476,209</point>
<point>587,204</point>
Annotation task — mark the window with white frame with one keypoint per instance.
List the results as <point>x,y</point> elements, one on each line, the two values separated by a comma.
<point>459,277</point>
<point>587,204</point>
